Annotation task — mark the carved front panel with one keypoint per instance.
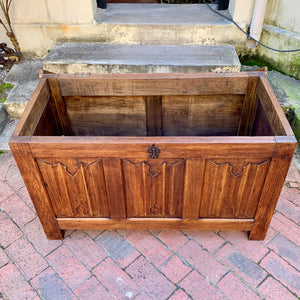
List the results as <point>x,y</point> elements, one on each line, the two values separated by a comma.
<point>154,188</point>
<point>76,187</point>
<point>232,187</point>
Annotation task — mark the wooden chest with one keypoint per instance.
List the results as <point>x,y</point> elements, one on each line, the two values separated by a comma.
<point>154,151</point>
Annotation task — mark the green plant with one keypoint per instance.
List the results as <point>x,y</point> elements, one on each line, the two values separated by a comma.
<point>1,152</point>
<point>3,99</point>
<point>5,86</point>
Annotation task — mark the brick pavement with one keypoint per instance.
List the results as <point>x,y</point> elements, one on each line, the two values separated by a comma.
<point>143,265</point>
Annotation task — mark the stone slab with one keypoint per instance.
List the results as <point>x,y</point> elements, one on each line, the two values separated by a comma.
<point>126,58</point>
<point>3,117</point>
<point>6,134</point>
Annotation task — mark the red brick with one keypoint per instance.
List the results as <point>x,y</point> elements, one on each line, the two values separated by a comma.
<point>233,288</point>
<point>35,234</point>
<point>9,231</point>
<point>50,286</point>
<point>143,296</point>
<point>26,258</point>
<point>13,284</point>
<point>18,210</point>
<point>252,249</point>
<point>125,233</point>
<point>199,288</point>
<point>207,239</point>
<point>69,268</point>
<point>281,270</point>
<point>203,261</point>
<point>242,265</point>
<point>293,174</point>
<point>173,239</point>
<point>3,258</point>
<point>294,184</point>
<point>13,178</point>
<point>179,295</point>
<point>85,248</point>
<point>270,235</point>
<point>152,282</point>
<point>289,209</point>
<point>286,250</point>
<point>5,162</point>
<point>291,194</point>
<point>286,227</point>
<point>93,233</point>
<point>93,290</point>
<point>149,246</point>
<point>23,193</point>
<point>117,281</point>
<point>271,289</point>
<point>6,191</point>
<point>118,247</point>
<point>175,269</point>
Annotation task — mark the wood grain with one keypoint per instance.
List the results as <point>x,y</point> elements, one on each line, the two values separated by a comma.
<point>154,115</point>
<point>155,224</point>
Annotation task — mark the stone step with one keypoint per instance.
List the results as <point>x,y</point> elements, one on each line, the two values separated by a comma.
<point>6,134</point>
<point>131,58</point>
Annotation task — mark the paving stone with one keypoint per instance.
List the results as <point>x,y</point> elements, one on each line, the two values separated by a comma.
<point>179,295</point>
<point>173,239</point>
<point>13,284</point>
<point>26,258</point>
<point>150,279</point>
<point>291,194</point>
<point>18,210</point>
<point>203,261</point>
<point>50,286</point>
<point>37,237</point>
<point>199,288</point>
<point>14,178</point>
<point>143,296</point>
<point>6,191</point>
<point>286,227</point>
<point>86,249</point>
<point>286,250</point>
<point>293,174</point>
<point>3,258</point>
<point>69,268</point>
<point>118,247</point>
<point>270,235</point>
<point>271,289</point>
<point>151,247</point>
<point>9,231</point>
<point>242,265</point>
<point>93,290</point>
<point>117,281</point>
<point>239,239</point>
<point>234,288</point>
<point>289,209</point>
<point>282,271</point>
<point>207,239</point>
<point>5,162</point>
<point>175,269</point>
<point>93,233</point>
<point>23,193</point>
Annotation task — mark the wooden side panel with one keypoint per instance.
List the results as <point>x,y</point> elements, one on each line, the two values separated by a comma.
<point>232,187</point>
<point>154,188</point>
<point>108,116</point>
<point>75,188</point>
<point>208,115</point>
<point>261,126</point>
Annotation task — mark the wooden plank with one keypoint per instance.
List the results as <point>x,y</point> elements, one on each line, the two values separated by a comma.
<point>206,115</point>
<point>151,85</point>
<point>155,224</point>
<point>192,188</point>
<point>249,106</point>
<point>60,106</point>
<point>154,115</point>
<point>272,109</point>
<point>35,186</point>
<point>113,174</point>
<point>277,172</point>
<point>169,148</point>
<point>229,183</point>
<point>106,116</point>
<point>33,110</point>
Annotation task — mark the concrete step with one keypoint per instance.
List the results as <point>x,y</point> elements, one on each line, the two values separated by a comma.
<point>125,58</point>
<point>170,24</point>
<point>6,134</point>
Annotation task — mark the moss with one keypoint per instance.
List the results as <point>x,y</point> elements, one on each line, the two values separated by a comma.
<point>5,87</point>
<point>1,152</point>
<point>3,99</point>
